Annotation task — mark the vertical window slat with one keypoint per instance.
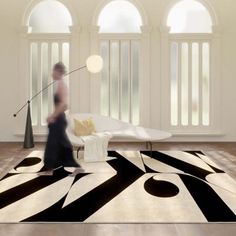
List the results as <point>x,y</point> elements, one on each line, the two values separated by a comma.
<point>200,84</point>
<point>60,51</point>
<point>34,83</point>
<point>50,91</point>
<point>104,50</point>
<point>119,80</point>
<point>184,83</point>
<point>65,57</point>
<point>179,83</point>
<point>44,82</point>
<point>195,84</point>
<point>39,79</point>
<point>190,82</point>
<point>174,83</point>
<point>55,57</point>
<point>109,82</point>
<point>130,81</point>
<point>135,82</point>
<point>125,81</point>
<point>206,84</point>
<point>114,78</point>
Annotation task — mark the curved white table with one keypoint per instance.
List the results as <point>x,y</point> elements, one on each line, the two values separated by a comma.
<point>138,133</point>
<point>141,133</point>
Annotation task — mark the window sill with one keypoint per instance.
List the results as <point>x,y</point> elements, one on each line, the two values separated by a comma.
<point>36,134</point>
<point>174,134</point>
<point>193,134</point>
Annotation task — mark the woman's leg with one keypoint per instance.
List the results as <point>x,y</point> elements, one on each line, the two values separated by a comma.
<point>66,149</point>
<point>51,155</point>
<point>67,153</point>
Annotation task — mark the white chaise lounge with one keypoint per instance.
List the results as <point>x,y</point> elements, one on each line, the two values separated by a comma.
<point>121,131</point>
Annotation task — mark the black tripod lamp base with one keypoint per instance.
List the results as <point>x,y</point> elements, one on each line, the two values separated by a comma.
<point>29,137</point>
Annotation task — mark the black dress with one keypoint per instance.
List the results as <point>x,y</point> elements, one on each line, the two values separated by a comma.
<point>58,151</point>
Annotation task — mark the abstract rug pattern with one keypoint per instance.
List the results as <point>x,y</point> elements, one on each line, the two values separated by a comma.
<point>130,187</point>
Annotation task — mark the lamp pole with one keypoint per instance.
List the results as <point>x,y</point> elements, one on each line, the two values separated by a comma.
<point>28,137</point>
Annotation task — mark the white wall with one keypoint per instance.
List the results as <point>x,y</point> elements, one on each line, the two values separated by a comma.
<point>11,13</point>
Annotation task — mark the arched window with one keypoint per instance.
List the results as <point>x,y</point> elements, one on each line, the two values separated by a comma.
<point>189,16</point>
<point>49,43</point>
<point>50,16</point>
<point>120,16</point>
<point>120,36</point>
<point>190,47</point>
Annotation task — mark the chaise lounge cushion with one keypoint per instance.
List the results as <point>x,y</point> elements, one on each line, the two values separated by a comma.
<point>84,127</point>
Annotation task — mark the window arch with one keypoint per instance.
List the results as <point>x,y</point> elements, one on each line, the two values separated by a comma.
<point>50,16</point>
<point>191,44</point>
<point>189,16</point>
<point>48,40</point>
<point>120,37</point>
<point>120,16</point>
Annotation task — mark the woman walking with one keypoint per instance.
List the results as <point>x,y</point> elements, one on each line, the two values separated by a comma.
<point>58,151</point>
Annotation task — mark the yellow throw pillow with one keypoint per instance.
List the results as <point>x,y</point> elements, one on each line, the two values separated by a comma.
<point>84,128</point>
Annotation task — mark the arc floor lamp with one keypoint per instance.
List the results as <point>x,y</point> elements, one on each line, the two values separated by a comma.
<point>94,64</point>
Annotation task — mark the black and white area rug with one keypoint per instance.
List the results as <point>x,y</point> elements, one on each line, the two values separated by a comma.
<point>130,187</point>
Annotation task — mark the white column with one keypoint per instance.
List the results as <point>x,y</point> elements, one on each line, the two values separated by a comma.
<point>95,83</point>
<point>74,63</point>
<point>145,77</point>
<point>24,77</point>
<point>215,80</point>
<point>165,78</point>
<point>83,89</point>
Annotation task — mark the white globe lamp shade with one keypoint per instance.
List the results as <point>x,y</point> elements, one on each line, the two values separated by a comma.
<point>94,64</point>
